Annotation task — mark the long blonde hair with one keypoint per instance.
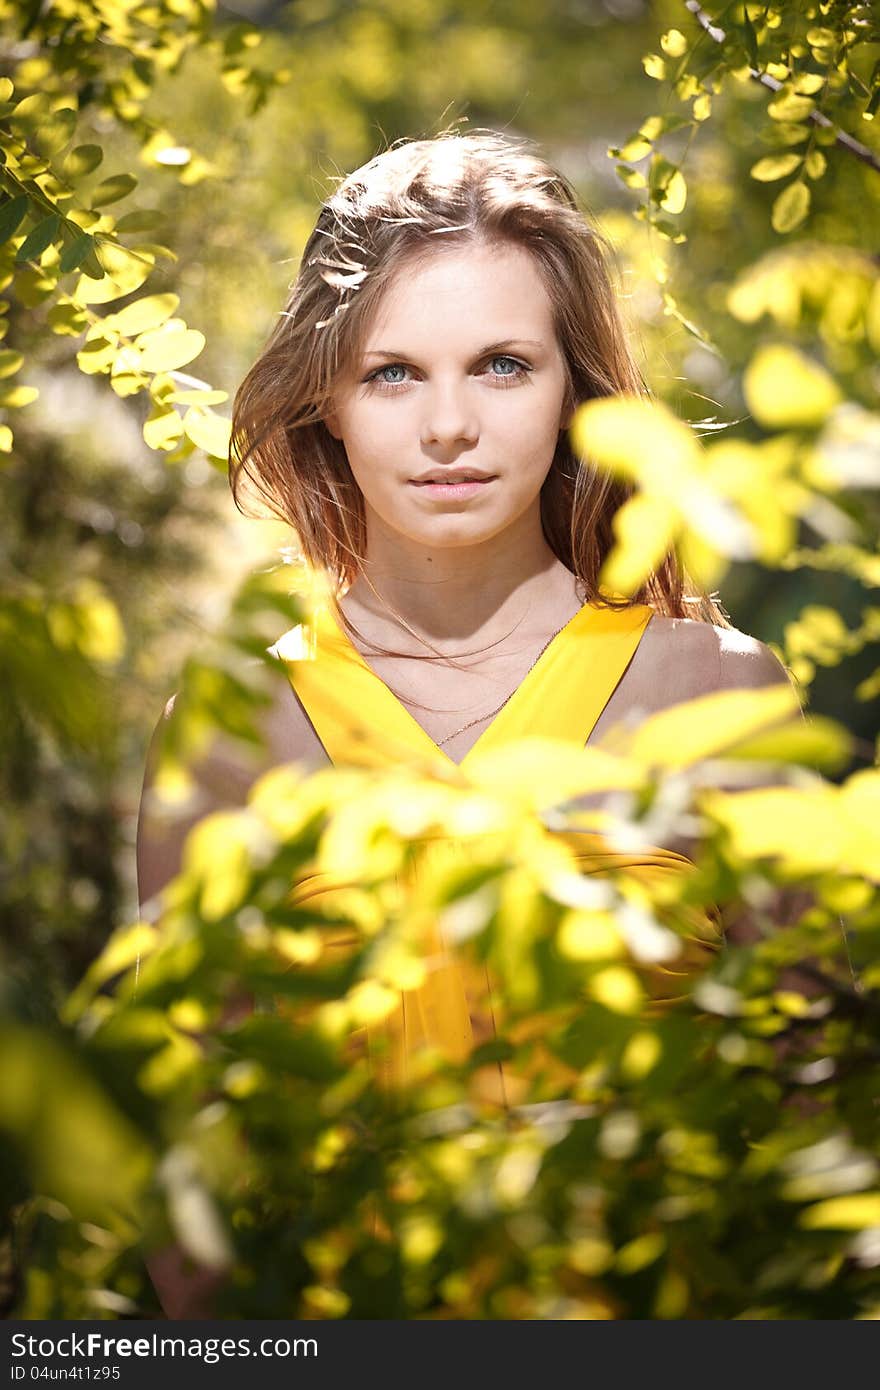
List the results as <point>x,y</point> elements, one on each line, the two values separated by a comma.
<point>413,198</point>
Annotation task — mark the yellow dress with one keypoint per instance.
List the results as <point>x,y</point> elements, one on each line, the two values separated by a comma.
<point>360,722</point>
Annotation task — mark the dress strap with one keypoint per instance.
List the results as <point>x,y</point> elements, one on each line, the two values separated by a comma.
<point>360,721</point>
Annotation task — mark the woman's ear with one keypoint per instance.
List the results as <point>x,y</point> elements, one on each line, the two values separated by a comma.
<point>332,423</point>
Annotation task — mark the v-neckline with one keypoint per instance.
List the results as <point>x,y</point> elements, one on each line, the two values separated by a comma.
<point>504,715</point>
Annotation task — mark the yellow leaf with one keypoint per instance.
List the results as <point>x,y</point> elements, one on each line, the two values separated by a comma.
<point>100,634</point>
<point>165,351</point>
<point>163,429</point>
<point>634,439</point>
<point>618,989</point>
<point>15,397</point>
<point>589,935</point>
<point>644,529</point>
<point>209,431</point>
<point>371,1002</point>
<point>10,362</point>
<point>675,193</point>
<point>654,66</point>
<point>542,772</point>
<point>775,166</point>
<point>702,107</point>
<point>815,164</point>
<point>856,1212</point>
<point>786,390</point>
<point>98,355</point>
<point>791,207</point>
<point>801,826</point>
<point>125,271</point>
<point>708,725</point>
<point>641,1055</point>
<point>790,107</point>
<point>143,314</point>
<point>640,1253</point>
<point>674,43</point>
<point>703,563</point>
<point>217,853</point>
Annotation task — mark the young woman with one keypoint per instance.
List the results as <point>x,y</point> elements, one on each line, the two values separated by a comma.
<point>409,418</point>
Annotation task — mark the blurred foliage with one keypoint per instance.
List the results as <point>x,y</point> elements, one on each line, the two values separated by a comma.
<point>716,1160</point>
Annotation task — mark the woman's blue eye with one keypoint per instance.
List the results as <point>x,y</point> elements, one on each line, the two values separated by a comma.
<point>393,367</point>
<point>511,371</point>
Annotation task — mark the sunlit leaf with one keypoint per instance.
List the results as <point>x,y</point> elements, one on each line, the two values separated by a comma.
<point>36,242</point>
<point>163,428</point>
<point>785,390</point>
<point>144,314</point>
<point>82,160</point>
<point>791,207</point>
<point>703,727</point>
<point>775,166</point>
<point>112,189</point>
<point>854,1212</point>
<point>644,528</point>
<point>11,214</point>
<point>208,431</point>
<point>164,351</point>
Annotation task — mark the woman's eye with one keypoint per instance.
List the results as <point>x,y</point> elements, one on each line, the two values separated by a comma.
<point>393,376</point>
<point>387,380</point>
<point>511,366</point>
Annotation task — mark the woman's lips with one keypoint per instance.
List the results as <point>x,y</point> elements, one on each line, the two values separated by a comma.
<point>454,490</point>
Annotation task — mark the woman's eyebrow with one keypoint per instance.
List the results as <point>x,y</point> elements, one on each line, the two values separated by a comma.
<point>481,352</point>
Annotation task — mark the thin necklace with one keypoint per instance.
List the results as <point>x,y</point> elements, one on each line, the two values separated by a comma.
<point>480,717</point>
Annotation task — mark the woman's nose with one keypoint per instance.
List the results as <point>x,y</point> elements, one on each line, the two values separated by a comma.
<point>450,415</point>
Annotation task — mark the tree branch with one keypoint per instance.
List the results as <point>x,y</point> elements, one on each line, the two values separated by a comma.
<point>846,142</point>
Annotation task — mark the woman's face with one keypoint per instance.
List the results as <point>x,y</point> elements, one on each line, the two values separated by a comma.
<point>461,376</point>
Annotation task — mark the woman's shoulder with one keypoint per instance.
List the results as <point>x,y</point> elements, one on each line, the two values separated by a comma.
<point>693,658</point>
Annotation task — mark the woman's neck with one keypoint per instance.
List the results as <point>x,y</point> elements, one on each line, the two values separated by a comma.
<point>458,594</point>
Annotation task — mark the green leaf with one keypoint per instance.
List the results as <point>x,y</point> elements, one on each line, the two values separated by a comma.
<point>750,37</point>
<point>73,255</point>
<point>81,160</point>
<point>112,189</point>
<point>791,207</point>
<point>37,241</point>
<point>57,129</point>
<point>11,214</point>
<point>140,220</point>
